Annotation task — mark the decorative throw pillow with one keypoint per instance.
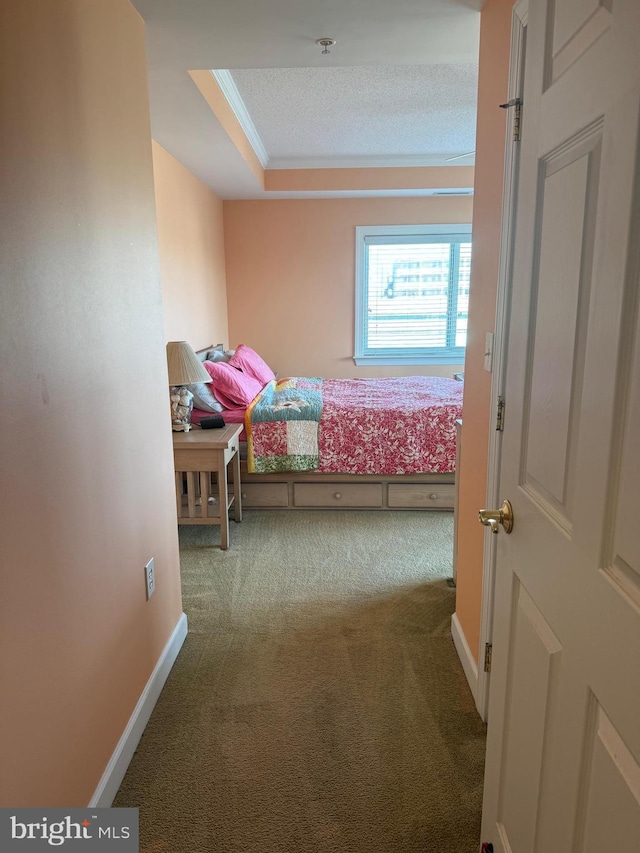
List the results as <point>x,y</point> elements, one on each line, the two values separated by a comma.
<point>231,387</point>
<point>250,363</point>
<point>219,355</point>
<point>203,397</point>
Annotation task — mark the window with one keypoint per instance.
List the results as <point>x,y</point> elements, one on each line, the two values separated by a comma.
<point>412,293</point>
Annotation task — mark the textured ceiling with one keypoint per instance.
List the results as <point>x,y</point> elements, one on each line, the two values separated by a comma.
<point>390,117</point>
<point>325,116</point>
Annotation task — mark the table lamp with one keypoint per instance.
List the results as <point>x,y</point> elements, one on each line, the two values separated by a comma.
<point>184,369</point>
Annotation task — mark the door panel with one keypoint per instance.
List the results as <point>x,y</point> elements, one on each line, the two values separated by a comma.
<point>563,745</point>
<point>622,550</point>
<point>535,658</point>
<point>576,25</point>
<point>609,819</point>
<point>566,214</point>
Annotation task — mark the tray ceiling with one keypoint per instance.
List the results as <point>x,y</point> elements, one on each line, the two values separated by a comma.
<point>398,87</point>
<point>360,116</point>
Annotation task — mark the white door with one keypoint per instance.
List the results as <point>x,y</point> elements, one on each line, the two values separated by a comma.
<point>563,747</point>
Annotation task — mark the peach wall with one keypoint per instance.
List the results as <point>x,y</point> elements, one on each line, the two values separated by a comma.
<point>191,242</point>
<point>495,35</point>
<point>290,277</point>
<point>396,178</point>
<point>87,484</point>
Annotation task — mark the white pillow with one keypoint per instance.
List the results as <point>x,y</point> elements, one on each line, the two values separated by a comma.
<point>203,397</point>
<point>220,355</point>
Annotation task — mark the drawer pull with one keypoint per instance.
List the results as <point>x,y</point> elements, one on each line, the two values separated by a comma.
<point>243,495</point>
<point>337,496</point>
<point>433,496</point>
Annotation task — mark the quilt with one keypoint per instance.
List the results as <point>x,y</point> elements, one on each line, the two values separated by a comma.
<point>282,426</point>
<point>398,425</point>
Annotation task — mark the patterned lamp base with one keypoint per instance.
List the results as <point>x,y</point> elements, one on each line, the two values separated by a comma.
<point>181,407</point>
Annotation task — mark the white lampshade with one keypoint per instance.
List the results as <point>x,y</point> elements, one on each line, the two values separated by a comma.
<point>184,365</point>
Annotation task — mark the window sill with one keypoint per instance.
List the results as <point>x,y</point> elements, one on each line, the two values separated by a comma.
<point>364,360</point>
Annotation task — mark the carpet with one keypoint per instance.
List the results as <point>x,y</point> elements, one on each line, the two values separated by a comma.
<point>318,704</point>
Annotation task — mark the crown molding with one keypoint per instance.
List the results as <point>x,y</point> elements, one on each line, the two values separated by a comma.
<point>229,89</point>
<point>310,194</point>
<point>391,161</point>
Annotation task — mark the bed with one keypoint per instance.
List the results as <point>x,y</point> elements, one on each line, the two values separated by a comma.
<point>379,443</point>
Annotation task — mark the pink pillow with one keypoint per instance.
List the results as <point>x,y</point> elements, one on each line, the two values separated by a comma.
<point>230,386</point>
<point>249,362</point>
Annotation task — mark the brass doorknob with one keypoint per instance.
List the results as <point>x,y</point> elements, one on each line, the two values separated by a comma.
<point>493,517</point>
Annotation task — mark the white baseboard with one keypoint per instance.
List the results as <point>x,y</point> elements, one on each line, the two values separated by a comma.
<point>123,753</point>
<point>467,659</point>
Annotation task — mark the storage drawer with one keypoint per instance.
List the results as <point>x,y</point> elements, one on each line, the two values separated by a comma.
<point>422,495</point>
<point>191,457</point>
<point>338,494</point>
<point>264,494</point>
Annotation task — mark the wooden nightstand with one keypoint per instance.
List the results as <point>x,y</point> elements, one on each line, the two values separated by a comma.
<point>196,455</point>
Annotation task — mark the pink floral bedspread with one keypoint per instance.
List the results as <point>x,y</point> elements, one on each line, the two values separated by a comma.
<point>399,425</point>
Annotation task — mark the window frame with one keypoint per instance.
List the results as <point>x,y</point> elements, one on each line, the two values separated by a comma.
<point>434,234</point>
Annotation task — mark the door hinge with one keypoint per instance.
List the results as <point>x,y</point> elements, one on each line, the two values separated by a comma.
<point>488,649</point>
<point>500,415</point>
<point>516,103</point>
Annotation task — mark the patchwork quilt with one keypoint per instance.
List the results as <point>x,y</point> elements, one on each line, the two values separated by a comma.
<point>282,426</point>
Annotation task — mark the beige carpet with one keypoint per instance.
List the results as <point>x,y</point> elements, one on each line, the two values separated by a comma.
<point>318,705</point>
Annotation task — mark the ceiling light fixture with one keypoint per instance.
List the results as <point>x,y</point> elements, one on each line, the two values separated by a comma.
<point>326,44</point>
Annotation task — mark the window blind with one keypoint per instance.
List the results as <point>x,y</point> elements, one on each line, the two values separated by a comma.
<point>416,294</point>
